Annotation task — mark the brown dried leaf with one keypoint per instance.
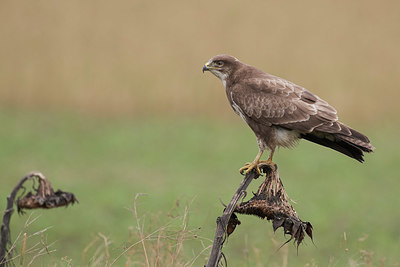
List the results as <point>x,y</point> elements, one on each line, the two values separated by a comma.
<point>233,221</point>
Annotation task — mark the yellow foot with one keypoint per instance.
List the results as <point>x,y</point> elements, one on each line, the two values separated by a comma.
<point>249,166</point>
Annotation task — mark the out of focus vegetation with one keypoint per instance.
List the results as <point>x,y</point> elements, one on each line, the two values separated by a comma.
<point>107,99</point>
<point>141,58</point>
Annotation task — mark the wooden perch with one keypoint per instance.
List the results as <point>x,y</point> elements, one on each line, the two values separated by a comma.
<point>222,221</point>
<point>270,202</point>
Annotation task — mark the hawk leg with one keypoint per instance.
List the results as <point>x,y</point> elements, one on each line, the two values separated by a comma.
<point>249,166</point>
<point>256,162</point>
<point>269,160</point>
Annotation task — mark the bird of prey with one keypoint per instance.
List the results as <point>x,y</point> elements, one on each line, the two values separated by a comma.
<point>280,112</point>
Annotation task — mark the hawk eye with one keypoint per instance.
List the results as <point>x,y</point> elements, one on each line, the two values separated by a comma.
<point>219,63</point>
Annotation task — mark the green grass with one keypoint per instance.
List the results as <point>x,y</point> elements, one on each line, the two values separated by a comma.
<point>106,162</point>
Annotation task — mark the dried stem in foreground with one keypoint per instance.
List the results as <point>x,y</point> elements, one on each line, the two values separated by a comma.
<point>222,221</point>
<point>270,202</point>
<point>44,197</point>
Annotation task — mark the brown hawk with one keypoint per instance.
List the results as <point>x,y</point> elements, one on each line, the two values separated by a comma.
<point>280,112</point>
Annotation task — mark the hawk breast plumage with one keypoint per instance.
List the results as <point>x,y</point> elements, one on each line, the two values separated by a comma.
<point>280,112</point>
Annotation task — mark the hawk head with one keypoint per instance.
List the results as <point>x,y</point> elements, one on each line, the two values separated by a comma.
<point>221,66</point>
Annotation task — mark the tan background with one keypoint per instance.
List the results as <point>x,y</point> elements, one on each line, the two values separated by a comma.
<point>137,58</point>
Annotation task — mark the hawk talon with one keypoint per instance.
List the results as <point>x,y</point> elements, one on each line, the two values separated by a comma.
<point>248,167</point>
<point>245,167</point>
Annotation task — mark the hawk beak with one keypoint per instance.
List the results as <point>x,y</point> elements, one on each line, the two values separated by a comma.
<point>206,67</point>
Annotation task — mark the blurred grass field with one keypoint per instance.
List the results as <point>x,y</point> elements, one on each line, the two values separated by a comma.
<point>106,162</point>
<point>107,99</point>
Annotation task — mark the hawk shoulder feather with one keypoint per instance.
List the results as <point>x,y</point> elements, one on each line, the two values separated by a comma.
<point>275,101</point>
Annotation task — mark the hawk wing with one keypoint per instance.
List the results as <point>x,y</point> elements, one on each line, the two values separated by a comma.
<point>275,101</point>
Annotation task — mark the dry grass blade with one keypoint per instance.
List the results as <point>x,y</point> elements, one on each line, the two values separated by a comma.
<point>164,245</point>
<point>106,245</point>
<point>21,262</point>
<point>134,244</point>
<point>86,249</point>
<point>28,222</point>
<point>191,263</point>
<point>41,252</point>
<point>139,229</point>
<point>181,236</point>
